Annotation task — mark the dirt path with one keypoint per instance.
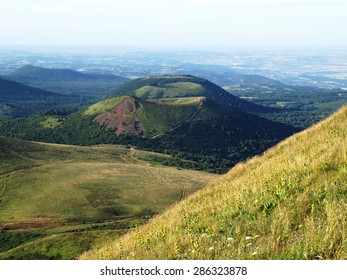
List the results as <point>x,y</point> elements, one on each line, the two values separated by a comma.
<point>6,178</point>
<point>186,121</point>
<point>17,154</point>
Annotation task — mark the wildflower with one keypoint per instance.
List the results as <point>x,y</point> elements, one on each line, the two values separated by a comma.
<point>254,253</point>
<point>230,239</point>
<point>248,237</point>
<point>211,248</point>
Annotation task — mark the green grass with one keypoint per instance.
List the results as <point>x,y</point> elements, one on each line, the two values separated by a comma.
<point>170,90</point>
<point>157,117</point>
<point>289,203</point>
<point>103,106</point>
<point>51,123</point>
<point>57,245</point>
<point>57,201</point>
<point>180,101</point>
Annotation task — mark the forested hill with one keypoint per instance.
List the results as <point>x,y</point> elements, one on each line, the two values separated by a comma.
<point>10,90</point>
<point>18,100</point>
<point>66,81</point>
<point>32,73</point>
<point>185,86</point>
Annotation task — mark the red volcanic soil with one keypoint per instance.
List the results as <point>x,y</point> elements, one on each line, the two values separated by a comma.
<point>29,226</point>
<point>121,119</point>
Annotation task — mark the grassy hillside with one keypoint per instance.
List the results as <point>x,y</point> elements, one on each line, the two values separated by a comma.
<point>289,203</point>
<point>66,81</point>
<point>218,137</point>
<point>153,117</point>
<point>56,201</point>
<point>184,86</point>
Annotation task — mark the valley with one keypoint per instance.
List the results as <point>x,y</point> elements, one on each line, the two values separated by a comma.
<point>58,200</point>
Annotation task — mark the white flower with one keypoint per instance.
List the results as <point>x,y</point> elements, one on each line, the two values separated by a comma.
<point>211,248</point>
<point>249,244</point>
<point>248,237</point>
<point>254,253</point>
<point>230,239</point>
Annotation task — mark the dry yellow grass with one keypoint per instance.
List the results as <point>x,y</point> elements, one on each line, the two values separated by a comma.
<point>290,203</point>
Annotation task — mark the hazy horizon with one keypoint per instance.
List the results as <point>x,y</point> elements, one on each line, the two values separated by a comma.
<point>165,24</point>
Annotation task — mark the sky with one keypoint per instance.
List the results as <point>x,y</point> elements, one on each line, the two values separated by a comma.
<point>175,23</point>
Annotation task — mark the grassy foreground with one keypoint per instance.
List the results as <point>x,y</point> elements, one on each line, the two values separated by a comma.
<point>290,203</point>
<point>57,201</point>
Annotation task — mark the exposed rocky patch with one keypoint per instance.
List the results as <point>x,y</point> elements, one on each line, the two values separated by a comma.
<point>122,119</point>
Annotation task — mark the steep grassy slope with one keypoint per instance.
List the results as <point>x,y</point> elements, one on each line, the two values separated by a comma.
<point>185,86</point>
<point>57,200</point>
<point>131,115</point>
<point>218,137</point>
<point>66,81</point>
<point>290,203</point>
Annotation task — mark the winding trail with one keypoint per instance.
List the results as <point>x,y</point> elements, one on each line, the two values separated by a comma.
<point>6,178</point>
<point>200,106</point>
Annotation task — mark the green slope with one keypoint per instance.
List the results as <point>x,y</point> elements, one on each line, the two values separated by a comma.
<point>67,81</point>
<point>154,117</point>
<point>289,203</point>
<point>184,86</point>
<point>56,200</point>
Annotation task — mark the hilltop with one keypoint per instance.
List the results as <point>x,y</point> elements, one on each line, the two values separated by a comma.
<point>178,86</point>
<point>289,203</point>
<point>57,201</point>
<point>207,135</point>
<point>10,90</point>
<point>67,81</point>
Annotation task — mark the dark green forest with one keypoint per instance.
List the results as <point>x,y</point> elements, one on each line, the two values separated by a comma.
<point>17,100</point>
